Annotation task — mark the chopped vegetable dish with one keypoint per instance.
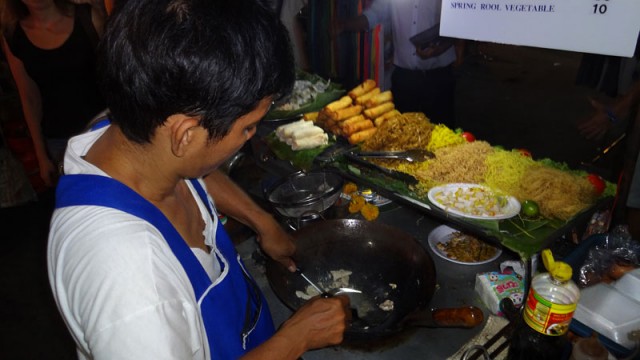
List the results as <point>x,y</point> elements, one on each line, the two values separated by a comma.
<point>466,248</point>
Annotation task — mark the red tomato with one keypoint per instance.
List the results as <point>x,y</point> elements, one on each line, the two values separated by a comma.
<point>524,152</point>
<point>598,183</point>
<point>468,136</point>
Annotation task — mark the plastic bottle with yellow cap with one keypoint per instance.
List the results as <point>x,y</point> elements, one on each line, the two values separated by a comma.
<point>550,305</point>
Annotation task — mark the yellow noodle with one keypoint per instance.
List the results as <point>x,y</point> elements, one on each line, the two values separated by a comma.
<point>442,136</point>
<point>559,194</point>
<point>505,169</point>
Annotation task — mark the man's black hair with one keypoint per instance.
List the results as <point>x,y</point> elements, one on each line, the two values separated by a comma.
<point>211,58</point>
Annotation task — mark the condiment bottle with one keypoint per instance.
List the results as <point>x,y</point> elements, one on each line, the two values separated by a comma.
<point>550,305</point>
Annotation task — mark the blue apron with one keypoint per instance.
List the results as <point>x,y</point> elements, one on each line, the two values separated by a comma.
<point>235,314</point>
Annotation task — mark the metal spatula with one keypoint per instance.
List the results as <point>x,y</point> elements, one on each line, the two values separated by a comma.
<point>330,293</point>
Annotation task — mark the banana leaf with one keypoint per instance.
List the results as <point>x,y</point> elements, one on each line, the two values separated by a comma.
<point>300,159</point>
<point>520,235</point>
<point>333,92</point>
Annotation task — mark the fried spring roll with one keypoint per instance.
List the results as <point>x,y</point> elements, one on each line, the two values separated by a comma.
<point>381,98</point>
<point>358,126</point>
<point>362,89</point>
<point>378,121</point>
<point>362,99</point>
<point>328,123</point>
<point>341,103</point>
<point>351,120</point>
<point>311,116</point>
<point>361,136</point>
<point>375,112</point>
<point>345,113</point>
<point>388,115</point>
<point>336,130</point>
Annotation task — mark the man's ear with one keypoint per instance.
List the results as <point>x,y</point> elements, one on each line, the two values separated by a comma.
<point>182,128</point>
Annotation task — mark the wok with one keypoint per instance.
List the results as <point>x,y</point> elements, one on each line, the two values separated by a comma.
<point>386,264</point>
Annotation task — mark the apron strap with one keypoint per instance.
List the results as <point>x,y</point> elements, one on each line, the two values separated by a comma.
<point>97,190</point>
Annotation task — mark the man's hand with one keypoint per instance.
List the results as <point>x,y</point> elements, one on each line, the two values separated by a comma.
<point>434,50</point>
<point>231,200</point>
<point>318,323</point>
<point>597,126</point>
<point>276,242</point>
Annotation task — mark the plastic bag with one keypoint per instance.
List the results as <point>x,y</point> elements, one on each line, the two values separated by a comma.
<point>609,261</point>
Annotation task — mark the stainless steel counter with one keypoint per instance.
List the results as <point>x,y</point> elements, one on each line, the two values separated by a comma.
<point>455,287</point>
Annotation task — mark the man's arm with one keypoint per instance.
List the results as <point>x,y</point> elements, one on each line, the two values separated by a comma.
<point>231,200</point>
<point>318,323</point>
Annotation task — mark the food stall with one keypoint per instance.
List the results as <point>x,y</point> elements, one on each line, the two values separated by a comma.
<point>421,214</point>
<point>504,197</point>
<point>375,150</point>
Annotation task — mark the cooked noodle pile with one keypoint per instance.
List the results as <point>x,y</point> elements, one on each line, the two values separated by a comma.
<point>406,131</point>
<point>461,163</point>
<point>559,194</point>
<point>505,169</point>
<point>442,136</point>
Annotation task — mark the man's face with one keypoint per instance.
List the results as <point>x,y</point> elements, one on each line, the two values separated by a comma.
<point>241,131</point>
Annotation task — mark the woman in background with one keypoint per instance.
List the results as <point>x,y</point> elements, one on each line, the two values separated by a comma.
<point>50,47</point>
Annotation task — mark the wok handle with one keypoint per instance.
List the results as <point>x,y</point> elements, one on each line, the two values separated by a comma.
<point>462,317</point>
<point>465,317</point>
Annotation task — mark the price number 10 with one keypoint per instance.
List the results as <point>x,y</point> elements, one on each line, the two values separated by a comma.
<point>600,8</point>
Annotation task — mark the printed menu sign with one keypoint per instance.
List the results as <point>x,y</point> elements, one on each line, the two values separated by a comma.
<point>608,27</point>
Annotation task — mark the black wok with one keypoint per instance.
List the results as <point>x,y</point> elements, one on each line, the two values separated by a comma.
<point>386,264</point>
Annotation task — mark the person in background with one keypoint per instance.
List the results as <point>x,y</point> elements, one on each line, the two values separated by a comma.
<point>289,11</point>
<point>422,79</point>
<point>143,268</point>
<point>50,47</point>
<point>597,126</point>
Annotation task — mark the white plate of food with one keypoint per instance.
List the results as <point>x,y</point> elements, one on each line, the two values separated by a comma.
<point>460,248</point>
<point>473,201</point>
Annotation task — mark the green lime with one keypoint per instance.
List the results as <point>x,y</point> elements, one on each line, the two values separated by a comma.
<point>530,208</point>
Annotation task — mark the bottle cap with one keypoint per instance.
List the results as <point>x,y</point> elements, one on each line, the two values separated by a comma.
<point>559,270</point>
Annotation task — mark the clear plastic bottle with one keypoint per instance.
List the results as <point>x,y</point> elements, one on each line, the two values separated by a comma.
<point>550,305</point>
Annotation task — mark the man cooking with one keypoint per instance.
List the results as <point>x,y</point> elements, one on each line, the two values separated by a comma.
<point>139,264</point>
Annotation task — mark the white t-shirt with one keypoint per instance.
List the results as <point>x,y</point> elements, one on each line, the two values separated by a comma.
<point>120,289</point>
<point>408,18</point>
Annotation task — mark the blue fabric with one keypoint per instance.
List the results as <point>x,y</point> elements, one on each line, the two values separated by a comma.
<point>234,311</point>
